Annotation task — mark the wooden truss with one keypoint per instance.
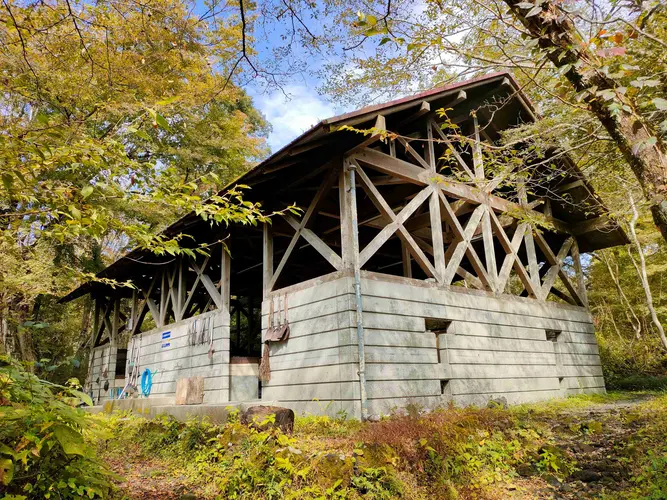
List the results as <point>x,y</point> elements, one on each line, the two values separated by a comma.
<point>177,290</point>
<point>473,239</point>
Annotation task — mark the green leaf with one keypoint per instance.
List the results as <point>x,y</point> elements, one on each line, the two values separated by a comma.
<point>162,122</point>
<point>168,101</point>
<point>70,440</point>
<point>6,471</point>
<point>660,103</point>
<point>87,191</point>
<point>85,398</point>
<point>371,20</point>
<point>7,180</point>
<point>385,40</point>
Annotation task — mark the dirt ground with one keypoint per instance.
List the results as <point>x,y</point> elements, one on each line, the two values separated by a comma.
<point>594,435</point>
<point>602,470</point>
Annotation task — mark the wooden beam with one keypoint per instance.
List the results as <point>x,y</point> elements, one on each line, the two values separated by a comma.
<point>193,288</point>
<point>602,223</point>
<point>581,283</point>
<point>267,259</point>
<point>397,221</point>
<point>406,259</point>
<point>477,151</point>
<point>556,268</point>
<point>436,232</point>
<point>416,175</point>
<point>424,108</point>
<point>448,143</point>
<point>300,229</point>
<point>429,152</point>
<point>489,248</point>
<point>380,129</point>
<point>316,242</point>
<point>569,186</point>
<point>456,251</point>
<point>225,277</point>
<point>411,151</point>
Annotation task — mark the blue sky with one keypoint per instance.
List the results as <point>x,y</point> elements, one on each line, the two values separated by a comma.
<point>297,105</point>
<point>292,114</point>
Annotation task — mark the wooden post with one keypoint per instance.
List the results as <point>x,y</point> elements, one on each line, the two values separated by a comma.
<point>477,152</point>
<point>436,234</point>
<point>407,260</point>
<point>347,250</point>
<point>115,323</point>
<point>133,314</point>
<point>267,258</point>
<point>529,241</point>
<point>225,278</point>
<point>581,284</point>
<point>489,248</point>
<point>180,290</point>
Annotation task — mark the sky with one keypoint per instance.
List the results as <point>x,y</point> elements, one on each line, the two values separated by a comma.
<point>292,112</point>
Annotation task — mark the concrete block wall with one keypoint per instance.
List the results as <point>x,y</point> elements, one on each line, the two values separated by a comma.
<point>173,358</point>
<point>316,370</point>
<point>102,369</point>
<point>495,346</point>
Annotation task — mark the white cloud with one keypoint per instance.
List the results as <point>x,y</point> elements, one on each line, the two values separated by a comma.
<point>292,115</point>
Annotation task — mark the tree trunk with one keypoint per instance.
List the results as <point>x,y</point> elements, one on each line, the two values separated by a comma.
<point>557,36</point>
<point>629,310</point>
<point>643,275</point>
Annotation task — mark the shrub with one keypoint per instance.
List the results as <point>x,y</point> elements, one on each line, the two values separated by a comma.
<point>43,451</point>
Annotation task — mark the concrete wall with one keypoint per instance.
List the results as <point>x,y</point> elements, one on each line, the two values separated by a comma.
<point>495,346</point>
<point>102,369</point>
<point>315,371</point>
<point>168,354</point>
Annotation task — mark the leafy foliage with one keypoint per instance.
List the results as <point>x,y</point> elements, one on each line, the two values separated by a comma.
<point>44,451</point>
<point>117,119</point>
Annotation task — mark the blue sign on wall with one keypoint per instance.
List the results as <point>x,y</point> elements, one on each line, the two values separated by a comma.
<point>166,335</point>
<point>166,344</point>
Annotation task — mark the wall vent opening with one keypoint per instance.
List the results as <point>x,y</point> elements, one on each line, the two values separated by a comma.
<point>444,387</point>
<point>553,335</point>
<point>437,325</point>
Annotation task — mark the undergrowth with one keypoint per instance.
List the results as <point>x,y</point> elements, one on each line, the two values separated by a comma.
<point>450,453</point>
<point>447,454</point>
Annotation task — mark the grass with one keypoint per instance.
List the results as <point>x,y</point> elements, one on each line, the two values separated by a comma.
<point>639,383</point>
<point>450,453</point>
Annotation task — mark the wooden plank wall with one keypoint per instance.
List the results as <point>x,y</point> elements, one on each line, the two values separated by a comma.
<point>180,359</point>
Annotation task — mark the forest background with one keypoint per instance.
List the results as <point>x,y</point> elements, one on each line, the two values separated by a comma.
<point>118,117</point>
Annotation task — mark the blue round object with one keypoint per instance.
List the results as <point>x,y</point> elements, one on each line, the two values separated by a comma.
<point>146,382</point>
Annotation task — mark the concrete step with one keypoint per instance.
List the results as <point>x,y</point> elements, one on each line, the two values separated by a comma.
<point>216,413</point>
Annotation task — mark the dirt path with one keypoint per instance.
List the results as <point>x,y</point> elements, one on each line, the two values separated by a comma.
<point>594,436</point>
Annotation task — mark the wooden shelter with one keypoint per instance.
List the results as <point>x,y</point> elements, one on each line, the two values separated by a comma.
<point>413,275</point>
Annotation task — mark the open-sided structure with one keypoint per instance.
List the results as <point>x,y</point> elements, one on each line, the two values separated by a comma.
<point>414,273</point>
